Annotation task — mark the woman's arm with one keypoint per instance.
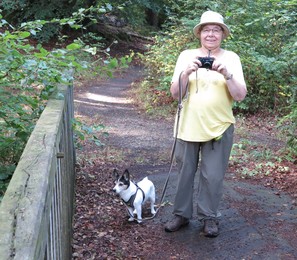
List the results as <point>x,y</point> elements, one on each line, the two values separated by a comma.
<point>230,67</point>
<point>184,67</point>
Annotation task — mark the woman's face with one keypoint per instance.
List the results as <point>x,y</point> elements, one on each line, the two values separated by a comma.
<point>211,36</point>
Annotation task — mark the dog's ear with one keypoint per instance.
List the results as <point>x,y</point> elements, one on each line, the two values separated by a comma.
<point>116,174</point>
<point>126,175</point>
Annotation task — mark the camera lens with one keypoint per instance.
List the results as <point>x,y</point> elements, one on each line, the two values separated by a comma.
<point>207,65</point>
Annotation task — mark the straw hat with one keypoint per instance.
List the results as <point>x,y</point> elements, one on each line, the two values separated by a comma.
<point>210,17</point>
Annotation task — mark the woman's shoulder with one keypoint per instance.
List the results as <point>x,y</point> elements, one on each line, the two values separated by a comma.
<point>231,58</point>
<point>230,54</point>
<point>188,54</point>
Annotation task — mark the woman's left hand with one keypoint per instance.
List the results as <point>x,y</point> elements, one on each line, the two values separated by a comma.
<point>220,67</point>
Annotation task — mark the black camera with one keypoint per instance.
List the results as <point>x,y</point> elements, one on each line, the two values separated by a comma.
<point>206,62</point>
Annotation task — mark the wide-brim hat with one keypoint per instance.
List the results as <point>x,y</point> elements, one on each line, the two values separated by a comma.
<point>210,17</point>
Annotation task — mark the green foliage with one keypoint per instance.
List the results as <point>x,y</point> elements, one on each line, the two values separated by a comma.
<point>268,67</point>
<point>289,123</point>
<point>19,11</point>
<point>136,13</point>
<point>84,132</point>
<point>28,77</point>
<point>256,160</point>
<point>162,56</point>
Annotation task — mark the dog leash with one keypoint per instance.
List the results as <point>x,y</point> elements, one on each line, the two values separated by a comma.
<point>179,108</point>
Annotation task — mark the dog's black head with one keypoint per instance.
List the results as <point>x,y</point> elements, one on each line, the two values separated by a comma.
<point>123,178</point>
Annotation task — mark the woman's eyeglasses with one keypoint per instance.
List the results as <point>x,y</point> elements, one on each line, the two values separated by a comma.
<point>215,31</point>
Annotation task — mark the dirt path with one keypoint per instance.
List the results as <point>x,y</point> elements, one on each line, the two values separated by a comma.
<point>257,222</point>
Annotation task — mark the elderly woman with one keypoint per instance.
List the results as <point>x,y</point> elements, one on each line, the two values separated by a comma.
<point>209,79</point>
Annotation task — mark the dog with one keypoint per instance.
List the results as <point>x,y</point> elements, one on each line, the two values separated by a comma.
<point>134,194</point>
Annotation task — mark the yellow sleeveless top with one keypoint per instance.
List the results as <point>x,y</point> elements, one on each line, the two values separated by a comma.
<point>207,107</point>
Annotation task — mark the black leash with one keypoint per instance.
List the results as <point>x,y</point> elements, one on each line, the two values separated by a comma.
<point>179,108</point>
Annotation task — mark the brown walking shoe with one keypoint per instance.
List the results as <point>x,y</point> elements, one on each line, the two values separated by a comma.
<point>176,223</point>
<point>211,228</point>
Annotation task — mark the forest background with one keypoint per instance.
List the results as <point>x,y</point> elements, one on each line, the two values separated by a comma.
<point>41,42</point>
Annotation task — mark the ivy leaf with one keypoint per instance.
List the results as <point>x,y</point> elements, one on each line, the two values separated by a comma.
<point>73,46</point>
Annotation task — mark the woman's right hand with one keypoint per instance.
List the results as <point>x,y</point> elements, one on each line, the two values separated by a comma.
<point>193,66</point>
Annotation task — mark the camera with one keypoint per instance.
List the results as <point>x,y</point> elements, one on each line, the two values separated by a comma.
<point>206,62</point>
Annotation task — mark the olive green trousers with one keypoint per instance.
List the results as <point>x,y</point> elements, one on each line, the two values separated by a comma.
<point>214,158</point>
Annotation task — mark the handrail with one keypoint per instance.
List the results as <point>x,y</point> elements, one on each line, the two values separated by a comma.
<point>37,208</point>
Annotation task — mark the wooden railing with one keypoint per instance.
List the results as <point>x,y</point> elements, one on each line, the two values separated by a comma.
<point>37,208</point>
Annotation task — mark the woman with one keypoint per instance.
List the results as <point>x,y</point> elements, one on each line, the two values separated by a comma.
<point>206,124</point>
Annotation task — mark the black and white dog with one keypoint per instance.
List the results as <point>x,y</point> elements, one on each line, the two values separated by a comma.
<point>134,194</point>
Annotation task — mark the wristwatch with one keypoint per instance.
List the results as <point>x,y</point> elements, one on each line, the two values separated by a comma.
<point>230,76</point>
